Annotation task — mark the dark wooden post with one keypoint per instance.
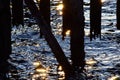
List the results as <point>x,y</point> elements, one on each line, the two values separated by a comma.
<point>95,18</point>
<point>45,10</point>
<point>118,14</point>
<point>44,6</point>
<point>52,42</point>
<point>66,18</point>
<point>77,34</point>
<point>5,36</point>
<point>17,12</point>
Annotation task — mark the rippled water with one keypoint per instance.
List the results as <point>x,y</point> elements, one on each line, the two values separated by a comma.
<point>32,59</point>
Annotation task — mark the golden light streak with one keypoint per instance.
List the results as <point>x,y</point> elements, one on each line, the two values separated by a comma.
<point>60,13</point>
<point>60,68</point>
<point>36,64</point>
<point>36,75</point>
<point>67,32</point>
<point>60,7</point>
<point>91,62</point>
<point>41,70</point>
<point>61,73</point>
<point>40,73</point>
<point>114,78</point>
<point>103,1</point>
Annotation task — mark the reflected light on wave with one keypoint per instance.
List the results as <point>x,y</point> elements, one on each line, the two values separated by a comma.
<point>60,7</point>
<point>60,13</point>
<point>103,1</point>
<point>36,64</point>
<point>61,73</point>
<point>67,32</point>
<point>41,72</point>
<point>116,77</point>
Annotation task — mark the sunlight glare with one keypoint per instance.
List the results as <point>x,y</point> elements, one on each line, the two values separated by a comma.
<point>36,64</point>
<point>67,32</point>
<point>40,73</point>
<point>60,68</point>
<point>35,76</point>
<point>60,13</point>
<point>103,1</point>
<point>61,73</point>
<point>41,70</point>
<point>91,62</point>
<point>114,78</point>
<point>60,7</point>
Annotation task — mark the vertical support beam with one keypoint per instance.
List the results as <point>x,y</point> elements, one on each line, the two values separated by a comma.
<point>5,36</point>
<point>66,18</point>
<point>45,10</point>
<point>44,6</point>
<point>17,12</point>
<point>118,14</point>
<point>95,18</point>
<point>77,34</point>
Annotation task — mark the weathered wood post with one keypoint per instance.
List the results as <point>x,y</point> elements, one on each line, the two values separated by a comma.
<point>66,18</point>
<point>5,37</point>
<point>77,34</point>
<point>44,6</point>
<point>17,12</point>
<point>118,14</point>
<point>95,18</point>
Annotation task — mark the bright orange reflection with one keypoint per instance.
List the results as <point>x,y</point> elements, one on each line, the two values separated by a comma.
<point>116,77</point>
<point>60,13</point>
<point>67,32</point>
<point>61,73</point>
<point>103,1</point>
<point>91,62</point>
<point>36,64</point>
<point>41,72</point>
<point>60,7</point>
<point>60,68</point>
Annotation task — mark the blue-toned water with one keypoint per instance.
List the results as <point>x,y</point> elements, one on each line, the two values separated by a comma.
<point>32,59</point>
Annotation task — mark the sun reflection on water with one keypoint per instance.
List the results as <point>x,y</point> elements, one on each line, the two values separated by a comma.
<point>67,32</point>
<point>36,64</point>
<point>41,72</point>
<point>103,1</point>
<point>61,73</point>
<point>60,13</point>
<point>91,61</point>
<point>60,7</point>
<point>115,77</point>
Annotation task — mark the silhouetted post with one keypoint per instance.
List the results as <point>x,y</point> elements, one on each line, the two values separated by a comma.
<point>118,14</point>
<point>95,19</point>
<point>45,11</point>
<point>17,12</point>
<point>77,34</point>
<point>66,18</point>
<point>52,42</point>
<point>5,37</point>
